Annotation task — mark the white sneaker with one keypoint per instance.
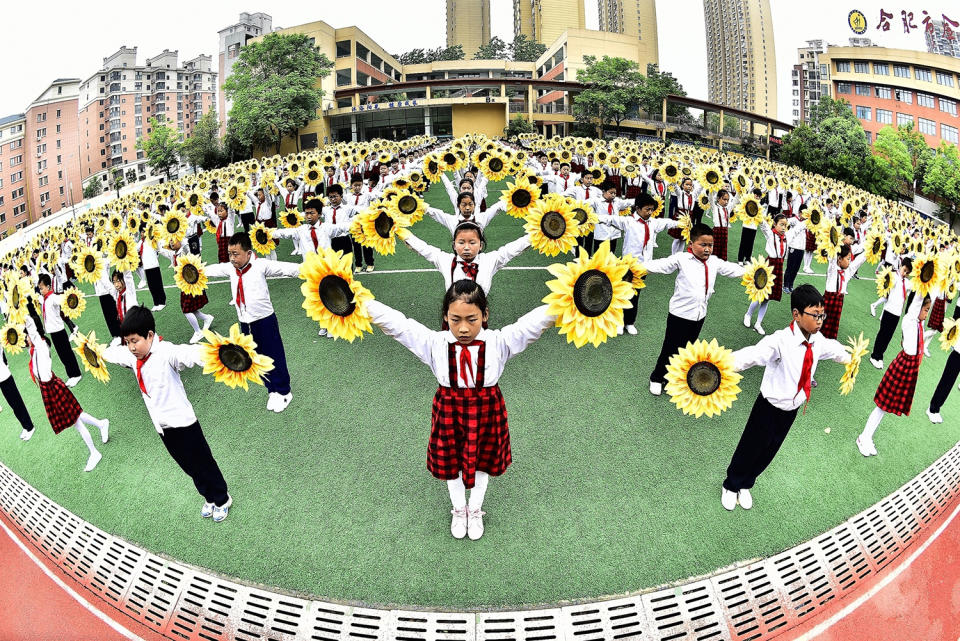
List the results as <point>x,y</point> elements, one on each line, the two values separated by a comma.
<point>220,513</point>
<point>632,330</point>
<point>745,499</point>
<point>656,388</point>
<point>92,461</point>
<point>70,382</point>
<point>207,510</point>
<point>934,418</point>
<point>926,352</point>
<point>863,445</point>
<point>105,431</point>
<point>282,402</point>
<point>142,284</point>
<point>620,331</point>
<point>74,332</point>
<point>322,332</point>
<point>746,320</point>
<point>196,338</point>
<point>475,524</point>
<point>760,329</point>
<point>728,499</point>
<point>27,435</point>
<point>876,363</point>
<point>207,323</point>
<point>807,270</point>
<point>370,269</point>
<point>272,399</point>
<point>157,308</point>
<point>458,524</point>
<point>873,310</point>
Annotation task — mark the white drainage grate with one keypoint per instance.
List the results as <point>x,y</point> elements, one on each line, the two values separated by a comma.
<point>755,602</point>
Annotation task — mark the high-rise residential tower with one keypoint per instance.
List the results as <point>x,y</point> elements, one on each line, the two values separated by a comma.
<point>468,24</point>
<point>544,20</point>
<point>943,39</point>
<point>232,39</point>
<point>636,18</point>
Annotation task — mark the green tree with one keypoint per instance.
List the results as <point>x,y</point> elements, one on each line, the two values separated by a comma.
<point>518,125</point>
<point>450,53</point>
<point>917,147</point>
<point>117,182</point>
<point>891,149</point>
<point>731,124</point>
<point>421,56</point>
<point>93,188</point>
<point>203,148</point>
<point>496,49</point>
<point>131,176</point>
<point>942,179</point>
<point>275,88</point>
<point>524,49</point>
<point>656,86</point>
<point>612,93</point>
<point>234,149</point>
<point>412,57</point>
<point>161,146</point>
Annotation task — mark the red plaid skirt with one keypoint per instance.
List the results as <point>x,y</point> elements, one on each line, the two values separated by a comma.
<point>222,244</point>
<point>720,242</point>
<point>62,407</point>
<point>811,242</point>
<point>895,394</point>
<point>633,191</point>
<point>937,314</point>
<point>469,433</point>
<point>674,232</point>
<point>832,307</point>
<point>777,265</point>
<point>190,304</point>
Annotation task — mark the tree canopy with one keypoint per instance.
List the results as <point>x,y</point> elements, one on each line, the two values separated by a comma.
<point>161,146</point>
<point>942,178</point>
<point>522,49</point>
<point>612,93</point>
<point>518,125</point>
<point>203,148</point>
<point>421,56</point>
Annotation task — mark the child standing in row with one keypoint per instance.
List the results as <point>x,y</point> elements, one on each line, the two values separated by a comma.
<point>53,325</point>
<point>190,305</point>
<point>892,309</point>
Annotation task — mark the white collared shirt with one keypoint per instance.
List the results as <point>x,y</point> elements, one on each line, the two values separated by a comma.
<point>634,233</point>
<point>582,192</point>
<point>4,368</point>
<point>359,202</point>
<point>897,295</point>
<point>301,234</point>
<point>229,227</point>
<point>432,347</point>
<point>833,273</point>
<point>692,291</point>
<point>166,399</point>
<point>263,211</point>
<point>782,354</point>
<point>256,293</point>
<point>41,360</point>
<point>777,247</point>
<point>482,218</point>
<point>611,208</point>
<point>337,215</point>
<point>488,263</point>
<point>148,255</point>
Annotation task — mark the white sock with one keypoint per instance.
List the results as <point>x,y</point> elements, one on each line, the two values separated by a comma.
<point>192,319</point>
<point>752,308</point>
<point>927,334</point>
<point>762,312</point>
<point>807,259</point>
<point>479,490</point>
<point>90,420</point>
<point>872,423</point>
<point>458,493</point>
<point>203,317</point>
<point>85,435</point>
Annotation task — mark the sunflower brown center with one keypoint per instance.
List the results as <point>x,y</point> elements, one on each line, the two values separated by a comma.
<point>13,337</point>
<point>292,218</point>
<point>450,159</point>
<point>262,236</point>
<point>834,236</point>
<point>751,208</point>
<point>553,225</point>
<point>815,217</point>
<point>712,177</point>
<point>382,224</point>
<point>703,378</point>
<point>952,334</point>
<point>592,293</point>
<point>234,358</point>
<point>91,356</point>
<point>15,297</point>
<point>760,278</point>
<point>433,167</point>
<point>521,198</point>
<point>927,272</point>
<point>173,226</point>
<point>407,205</point>
<point>336,296</point>
<point>580,215</point>
<point>877,244</point>
<point>496,165</point>
<point>121,249</point>
<point>670,171</point>
<point>73,301</point>
<point>190,274</point>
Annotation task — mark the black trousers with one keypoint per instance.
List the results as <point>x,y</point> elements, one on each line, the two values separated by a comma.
<point>747,236</point>
<point>956,309</point>
<point>679,332</point>
<point>794,260</point>
<point>155,284</point>
<point>248,219</point>
<point>762,437</point>
<point>342,243</point>
<point>888,325</point>
<point>189,448</point>
<point>587,242</point>
<point>630,313</point>
<point>109,308</point>
<point>597,243</point>
<point>62,344</point>
<point>69,323</point>
<point>12,396</point>
<point>947,381</point>
<point>362,255</point>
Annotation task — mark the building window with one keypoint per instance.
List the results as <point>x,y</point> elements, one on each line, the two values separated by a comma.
<point>843,87</point>
<point>884,116</point>
<point>922,74</point>
<point>869,136</point>
<point>945,79</point>
<point>344,77</point>
<point>861,67</point>
<point>928,127</point>
<point>901,71</point>
<point>343,48</point>
<point>883,92</point>
<point>949,133</point>
<point>902,95</point>
<point>904,119</point>
<point>881,69</point>
<point>863,113</point>
<point>863,90</point>
<point>948,106</point>
<point>925,100</point>
<point>843,66</point>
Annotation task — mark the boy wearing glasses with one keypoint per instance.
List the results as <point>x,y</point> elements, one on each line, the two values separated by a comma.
<point>790,356</point>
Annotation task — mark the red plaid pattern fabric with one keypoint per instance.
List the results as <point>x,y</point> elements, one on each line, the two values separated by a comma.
<point>469,431</point>
<point>190,304</point>
<point>811,242</point>
<point>61,405</point>
<point>720,242</point>
<point>632,191</point>
<point>777,265</point>
<point>936,314</point>
<point>832,307</point>
<point>899,382</point>
<point>222,243</point>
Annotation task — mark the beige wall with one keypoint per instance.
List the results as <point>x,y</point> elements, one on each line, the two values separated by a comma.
<point>552,17</point>
<point>635,18</point>
<point>468,24</point>
<point>587,42</point>
<point>489,119</point>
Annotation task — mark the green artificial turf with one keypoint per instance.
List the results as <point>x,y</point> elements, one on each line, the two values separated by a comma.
<point>611,489</point>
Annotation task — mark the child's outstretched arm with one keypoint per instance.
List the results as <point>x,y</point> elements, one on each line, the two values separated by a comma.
<point>517,336</point>
<point>411,334</point>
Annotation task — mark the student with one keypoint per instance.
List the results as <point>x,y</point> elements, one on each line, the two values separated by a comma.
<point>697,270</point>
<point>291,192</point>
<point>720,213</point>
<point>263,207</point>
<point>63,410</point>
<point>797,244</point>
<point>157,364</point>
<point>892,309</point>
<point>53,325</point>
<point>639,240</point>
<point>586,192</point>
<point>895,392</point>
<point>778,239</point>
<point>790,358</point>
<point>948,379</point>
<point>189,305</point>
<point>839,273</point>
<point>11,394</point>
<point>686,196</point>
<point>748,234</point>
<point>610,205</point>
<point>124,292</point>
<point>563,180</point>
<point>359,202</point>
<point>466,211</point>
<point>225,229</point>
<point>314,233</point>
<point>248,286</point>
<point>151,270</point>
<point>470,437</point>
<point>337,213</point>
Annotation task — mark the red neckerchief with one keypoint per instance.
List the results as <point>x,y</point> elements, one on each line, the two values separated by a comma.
<point>313,237</point>
<point>356,200</point>
<point>43,306</point>
<point>466,362</point>
<point>646,230</point>
<point>220,229</point>
<point>140,364</point>
<point>778,235</point>
<point>241,299</point>
<point>32,375</point>
<point>121,304</point>
<point>660,187</point>
<point>806,374</point>
<point>334,221</point>
<point>586,193</point>
<point>610,208</point>
<point>840,281</point>
<point>469,269</point>
<point>289,195</point>
<point>920,345</point>
<point>706,272</point>
<point>140,249</point>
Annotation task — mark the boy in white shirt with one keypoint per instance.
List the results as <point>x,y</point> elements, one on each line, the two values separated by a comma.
<point>338,213</point>
<point>53,325</point>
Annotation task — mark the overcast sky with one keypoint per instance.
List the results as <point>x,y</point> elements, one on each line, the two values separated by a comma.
<point>70,39</point>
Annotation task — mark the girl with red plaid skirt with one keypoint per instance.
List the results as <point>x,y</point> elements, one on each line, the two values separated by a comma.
<point>63,410</point>
<point>720,212</point>
<point>189,305</point>
<point>469,439</point>
<point>899,382</point>
<point>839,272</point>
<point>937,312</point>
<point>223,220</point>
<point>778,242</point>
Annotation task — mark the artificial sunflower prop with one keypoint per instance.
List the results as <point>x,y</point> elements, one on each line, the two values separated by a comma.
<point>749,211</point>
<point>194,201</point>
<point>857,349</point>
<point>87,264</point>
<point>685,224</point>
<point>408,207</point>
<point>950,334</point>
<point>18,295</point>
<point>378,229</point>
<point>898,241</point>
<point>636,273</point>
<point>670,172</point>
<point>815,220</point>
<point>711,177</point>
<point>261,239</point>
<point>235,196</point>
<point>122,253</point>
<point>925,274</point>
<point>451,160</point>
<point>175,226</point>
<point>432,168</point>
<point>884,282</point>
<point>589,296</point>
<point>91,355</point>
<point>584,214</point>
<point>874,247</point>
<point>828,241</point>
<point>189,275</point>
<point>291,218</point>
<point>703,200</point>
<point>73,303</point>
<point>701,379</point>
<point>13,338</point>
<point>494,168</point>
<point>313,177</point>
<point>551,226</point>
<point>133,223</point>
<point>758,279</point>
<point>520,197</point>
<point>115,223</point>
<point>232,359</point>
<point>332,297</point>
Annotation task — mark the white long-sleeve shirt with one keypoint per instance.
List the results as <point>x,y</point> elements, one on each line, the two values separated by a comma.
<point>451,267</point>
<point>41,361</point>
<point>776,246</point>
<point>582,192</point>
<point>129,292</point>
<point>639,235</point>
<point>262,210</point>
<point>432,347</point>
<point>838,279</point>
<point>50,308</point>
<point>256,294</point>
<point>482,218</point>
<point>695,281</point>
<point>897,295</point>
<point>229,226</point>
<point>560,185</point>
<point>337,214</point>
<point>359,202</point>
<point>687,201</point>
<point>290,198</point>
<point>609,208</point>
<point>148,255</point>
<point>165,398</point>
<point>782,354</point>
<point>324,231</point>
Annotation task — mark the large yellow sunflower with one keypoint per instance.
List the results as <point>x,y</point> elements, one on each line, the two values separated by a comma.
<point>261,238</point>
<point>925,274</point>
<point>950,334</point>
<point>758,279</point>
<point>749,210</point>
<point>115,223</point>
<point>291,218</point>
<point>857,348</point>
<point>18,295</point>
<point>874,246</point>
<point>378,227</point>
<point>232,359</point>
<point>13,338</point>
<point>685,224</point>
<point>711,177</point>
<point>91,355</point>
<point>519,197</point>
<point>235,195</point>
<point>828,241</point>
<point>494,167</point>
<point>174,226</point>
<point>584,214</point>
<point>313,177</point>
<point>636,273</point>
<point>195,201</point>
<point>122,253</point>
<point>73,303</point>
<point>701,379</point>
<point>815,220</point>
<point>189,275</point>
<point>88,264</point>
<point>408,207</point>
<point>332,297</point>
<point>884,282</point>
<point>452,160</point>
<point>551,226</point>
<point>432,168</point>
<point>589,296</point>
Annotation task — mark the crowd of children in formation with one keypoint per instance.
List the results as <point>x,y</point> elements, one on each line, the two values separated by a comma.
<point>470,440</point>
